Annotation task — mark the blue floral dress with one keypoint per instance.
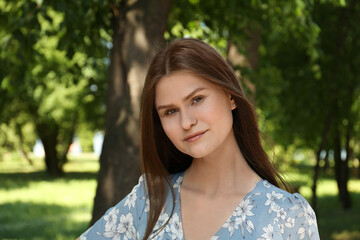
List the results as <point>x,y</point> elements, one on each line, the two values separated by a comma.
<point>265,213</point>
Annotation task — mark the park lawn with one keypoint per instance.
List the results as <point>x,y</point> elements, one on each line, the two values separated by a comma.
<point>36,206</point>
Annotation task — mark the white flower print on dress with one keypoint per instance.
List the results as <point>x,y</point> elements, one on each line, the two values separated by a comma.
<point>242,211</point>
<point>126,227</point>
<point>281,228</point>
<point>214,238</point>
<point>309,215</point>
<point>290,222</point>
<point>266,184</point>
<point>249,227</point>
<point>301,232</point>
<point>272,201</point>
<point>232,225</point>
<point>281,214</point>
<point>162,220</point>
<point>178,183</point>
<point>175,228</point>
<point>111,219</point>
<point>269,232</point>
<point>131,198</point>
<point>159,224</point>
<point>310,219</point>
<point>147,203</point>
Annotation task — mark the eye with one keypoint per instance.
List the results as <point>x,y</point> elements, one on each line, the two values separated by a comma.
<point>197,99</point>
<point>170,111</point>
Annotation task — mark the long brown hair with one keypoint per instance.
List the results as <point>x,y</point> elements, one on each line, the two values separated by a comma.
<point>159,157</point>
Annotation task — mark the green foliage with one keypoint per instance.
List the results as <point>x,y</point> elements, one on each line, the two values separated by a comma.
<point>15,135</point>
<point>188,20</point>
<point>307,72</point>
<point>85,135</point>
<point>52,82</point>
<point>53,64</point>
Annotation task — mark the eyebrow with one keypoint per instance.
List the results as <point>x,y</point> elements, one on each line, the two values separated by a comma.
<point>184,99</point>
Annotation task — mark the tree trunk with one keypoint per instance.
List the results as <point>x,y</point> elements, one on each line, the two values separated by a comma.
<point>341,166</point>
<point>317,165</point>
<point>21,144</point>
<point>341,172</point>
<point>326,160</point>
<point>48,136</point>
<point>237,59</point>
<point>66,140</point>
<point>138,29</point>
<point>345,169</point>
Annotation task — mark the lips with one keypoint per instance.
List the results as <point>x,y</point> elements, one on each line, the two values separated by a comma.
<point>194,137</point>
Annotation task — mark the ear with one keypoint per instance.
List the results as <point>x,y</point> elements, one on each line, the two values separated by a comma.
<point>232,102</point>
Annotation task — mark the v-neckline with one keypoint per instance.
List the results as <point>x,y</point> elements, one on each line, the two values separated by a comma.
<point>178,182</point>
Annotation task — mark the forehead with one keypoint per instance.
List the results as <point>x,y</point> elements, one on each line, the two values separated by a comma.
<point>179,85</point>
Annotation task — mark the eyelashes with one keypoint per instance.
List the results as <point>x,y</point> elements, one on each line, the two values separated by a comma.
<point>197,99</point>
<point>170,112</point>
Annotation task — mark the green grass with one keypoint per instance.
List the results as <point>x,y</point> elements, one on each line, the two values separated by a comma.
<point>36,206</point>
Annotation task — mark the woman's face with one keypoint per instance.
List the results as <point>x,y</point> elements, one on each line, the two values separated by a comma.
<point>195,114</point>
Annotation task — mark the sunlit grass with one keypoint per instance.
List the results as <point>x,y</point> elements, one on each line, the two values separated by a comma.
<point>36,206</point>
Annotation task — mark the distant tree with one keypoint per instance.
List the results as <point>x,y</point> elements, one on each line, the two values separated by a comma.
<point>308,85</point>
<point>339,64</point>
<point>52,68</point>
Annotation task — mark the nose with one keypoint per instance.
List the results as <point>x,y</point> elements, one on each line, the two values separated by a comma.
<point>187,120</point>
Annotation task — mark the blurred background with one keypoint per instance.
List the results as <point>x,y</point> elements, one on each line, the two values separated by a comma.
<point>71,74</point>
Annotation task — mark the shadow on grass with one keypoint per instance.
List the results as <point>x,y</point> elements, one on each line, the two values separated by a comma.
<point>22,180</point>
<point>336,223</point>
<point>21,220</point>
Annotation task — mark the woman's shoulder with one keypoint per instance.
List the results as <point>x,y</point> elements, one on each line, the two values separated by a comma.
<point>291,199</point>
<point>124,218</point>
<point>289,206</point>
<point>291,212</point>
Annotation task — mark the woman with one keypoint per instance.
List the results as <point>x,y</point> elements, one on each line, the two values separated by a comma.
<point>205,173</point>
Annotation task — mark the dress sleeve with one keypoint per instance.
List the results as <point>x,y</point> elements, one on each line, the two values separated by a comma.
<point>300,222</point>
<point>121,221</point>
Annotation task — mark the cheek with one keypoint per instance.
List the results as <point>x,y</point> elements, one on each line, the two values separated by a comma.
<point>169,129</point>
<point>215,112</point>
<point>219,118</point>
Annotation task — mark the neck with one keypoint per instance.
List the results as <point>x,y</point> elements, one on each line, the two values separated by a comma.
<point>221,172</point>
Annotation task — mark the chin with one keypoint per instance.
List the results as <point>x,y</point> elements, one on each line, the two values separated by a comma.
<point>197,156</point>
<point>198,153</point>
